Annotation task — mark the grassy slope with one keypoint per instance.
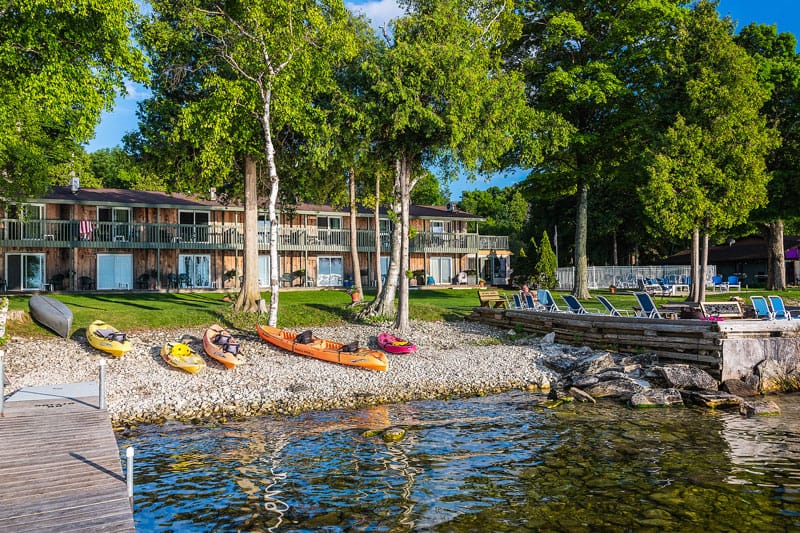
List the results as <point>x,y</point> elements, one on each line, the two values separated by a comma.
<point>138,311</point>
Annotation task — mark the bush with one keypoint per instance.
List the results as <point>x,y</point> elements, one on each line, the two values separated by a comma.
<point>547,264</point>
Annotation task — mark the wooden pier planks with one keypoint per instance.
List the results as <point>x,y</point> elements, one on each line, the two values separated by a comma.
<point>60,468</point>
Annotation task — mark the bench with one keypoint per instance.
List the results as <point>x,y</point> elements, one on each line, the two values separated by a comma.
<point>491,299</point>
<point>730,309</point>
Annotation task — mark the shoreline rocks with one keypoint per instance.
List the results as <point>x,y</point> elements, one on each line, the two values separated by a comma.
<point>453,359</point>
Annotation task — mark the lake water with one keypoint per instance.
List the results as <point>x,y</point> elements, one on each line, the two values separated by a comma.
<point>497,463</point>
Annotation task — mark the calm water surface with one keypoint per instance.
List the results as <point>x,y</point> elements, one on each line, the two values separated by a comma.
<point>499,463</point>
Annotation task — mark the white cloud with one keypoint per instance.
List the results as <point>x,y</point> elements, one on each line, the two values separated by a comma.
<point>379,12</point>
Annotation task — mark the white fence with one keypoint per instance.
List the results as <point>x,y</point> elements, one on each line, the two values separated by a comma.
<point>601,277</point>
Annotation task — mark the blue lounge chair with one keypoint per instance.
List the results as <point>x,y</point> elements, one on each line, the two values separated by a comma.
<point>546,301</point>
<point>518,303</point>
<point>779,311</point>
<point>530,303</point>
<point>761,308</point>
<point>612,311</point>
<point>649,309</point>
<point>575,306</point>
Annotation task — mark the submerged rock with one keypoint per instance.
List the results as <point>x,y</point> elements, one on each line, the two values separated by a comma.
<point>759,408</point>
<point>581,396</point>
<point>393,434</point>
<point>657,398</point>
<point>711,398</point>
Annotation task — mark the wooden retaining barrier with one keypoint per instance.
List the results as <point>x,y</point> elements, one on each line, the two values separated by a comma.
<point>59,463</point>
<point>729,348</point>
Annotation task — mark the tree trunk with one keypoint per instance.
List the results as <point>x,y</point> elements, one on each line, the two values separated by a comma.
<point>358,292</point>
<point>776,257</point>
<point>249,294</point>
<point>378,277</point>
<point>615,256</point>
<point>404,174</point>
<point>694,292</point>
<point>581,289</point>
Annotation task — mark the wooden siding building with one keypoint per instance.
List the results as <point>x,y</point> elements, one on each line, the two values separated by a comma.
<point>116,239</point>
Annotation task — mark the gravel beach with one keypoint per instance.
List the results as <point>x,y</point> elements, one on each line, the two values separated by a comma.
<point>452,359</point>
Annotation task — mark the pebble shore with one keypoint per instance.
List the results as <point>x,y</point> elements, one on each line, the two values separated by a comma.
<point>453,359</point>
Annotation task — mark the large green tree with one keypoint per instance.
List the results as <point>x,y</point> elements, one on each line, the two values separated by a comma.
<point>443,92</point>
<point>779,72</point>
<point>61,65</point>
<point>708,171</point>
<point>596,63</point>
<point>264,65</point>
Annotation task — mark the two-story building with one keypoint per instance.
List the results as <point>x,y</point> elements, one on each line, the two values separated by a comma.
<point>115,239</point>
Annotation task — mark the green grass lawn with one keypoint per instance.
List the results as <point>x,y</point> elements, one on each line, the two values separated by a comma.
<point>297,309</point>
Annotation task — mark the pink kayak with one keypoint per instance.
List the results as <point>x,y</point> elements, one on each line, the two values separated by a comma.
<point>392,344</point>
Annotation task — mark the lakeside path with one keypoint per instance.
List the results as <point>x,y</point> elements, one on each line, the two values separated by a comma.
<point>452,359</point>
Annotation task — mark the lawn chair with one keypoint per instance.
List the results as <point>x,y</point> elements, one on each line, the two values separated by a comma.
<point>649,309</point>
<point>761,308</point>
<point>575,306</point>
<point>530,303</point>
<point>779,311</point>
<point>547,302</point>
<point>517,302</point>
<point>612,311</point>
<point>733,281</point>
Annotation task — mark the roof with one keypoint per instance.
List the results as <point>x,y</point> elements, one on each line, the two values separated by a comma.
<point>131,198</point>
<point>748,249</point>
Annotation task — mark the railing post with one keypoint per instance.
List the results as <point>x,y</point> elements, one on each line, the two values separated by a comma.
<point>101,393</point>
<point>129,472</point>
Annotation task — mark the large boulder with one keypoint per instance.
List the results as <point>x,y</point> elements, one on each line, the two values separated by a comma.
<point>739,388</point>
<point>615,388</point>
<point>657,398</point>
<point>686,377</point>
<point>562,364</point>
<point>778,376</point>
<point>594,364</point>
<point>711,398</point>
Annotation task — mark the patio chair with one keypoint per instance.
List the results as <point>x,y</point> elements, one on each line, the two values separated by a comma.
<point>575,306</point>
<point>733,281</point>
<point>761,308</point>
<point>172,281</point>
<point>718,284</point>
<point>547,302</point>
<point>648,307</point>
<point>612,311</point>
<point>779,311</point>
<point>184,280</point>
<point>86,283</point>
<point>530,303</point>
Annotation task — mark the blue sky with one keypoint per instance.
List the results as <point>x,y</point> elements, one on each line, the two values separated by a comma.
<point>783,13</point>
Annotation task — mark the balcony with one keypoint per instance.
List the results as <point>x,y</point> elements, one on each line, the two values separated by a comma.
<point>91,234</point>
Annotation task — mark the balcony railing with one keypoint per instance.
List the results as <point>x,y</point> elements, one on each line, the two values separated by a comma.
<point>92,234</point>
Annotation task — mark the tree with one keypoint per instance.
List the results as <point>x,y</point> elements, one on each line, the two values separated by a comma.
<point>596,64</point>
<point>263,65</point>
<point>428,191</point>
<point>709,171</point>
<point>61,65</point>
<point>779,72</point>
<point>547,264</point>
<point>443,93</point>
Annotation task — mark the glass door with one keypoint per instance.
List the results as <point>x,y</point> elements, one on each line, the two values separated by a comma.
<point>194,270</point>
<point>114,271</point>
<point>263,270</point>
<point>330,271</point>
<point>25,271</point>
<point>442,270</point>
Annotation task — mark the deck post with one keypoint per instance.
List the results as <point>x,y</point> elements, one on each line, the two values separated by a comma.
<point>129,472</point>
<point>101,393</point>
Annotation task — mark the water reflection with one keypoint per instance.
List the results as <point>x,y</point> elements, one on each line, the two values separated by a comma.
<point>496,463</point>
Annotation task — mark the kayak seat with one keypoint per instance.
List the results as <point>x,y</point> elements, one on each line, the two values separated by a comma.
<point>222,339</point>
<point>232,348</point>
<point>352,347</point>
<point>118,337</point>
<point>305,337</point>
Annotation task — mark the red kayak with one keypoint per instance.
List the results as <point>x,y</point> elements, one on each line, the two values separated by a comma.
<point>392,344</point>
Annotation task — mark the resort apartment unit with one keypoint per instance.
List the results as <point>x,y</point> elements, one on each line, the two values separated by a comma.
<point>115,239</point>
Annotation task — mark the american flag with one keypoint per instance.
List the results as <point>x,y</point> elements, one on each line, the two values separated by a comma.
<point>85,229</point>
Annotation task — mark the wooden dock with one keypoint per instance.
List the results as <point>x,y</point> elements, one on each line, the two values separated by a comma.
<point>59,463</point>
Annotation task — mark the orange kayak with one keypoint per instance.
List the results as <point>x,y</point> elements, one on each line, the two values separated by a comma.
<point>335,352</point>
<point>220,345</point>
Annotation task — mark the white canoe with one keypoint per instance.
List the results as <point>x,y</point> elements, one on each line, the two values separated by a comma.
<point>51,314</point>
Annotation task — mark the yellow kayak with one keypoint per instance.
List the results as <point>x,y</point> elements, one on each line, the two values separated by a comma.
<point>108,338</point>
<point>182,356</point>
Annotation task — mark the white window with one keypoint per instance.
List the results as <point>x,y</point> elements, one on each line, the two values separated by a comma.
<point>330,230</point>
<point>194,225</point>
<point>330,271</point>
<point>114,271</point>
<point>25,271</point>
<point>437,226</point>
<point>441,270</point>
<point>194,271</point>
<point>114,223</point>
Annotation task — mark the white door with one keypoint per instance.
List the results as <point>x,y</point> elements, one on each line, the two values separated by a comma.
<point>442,270</point>
<point>330,271</point>
<point>263,270</point>
<point>114,271</point>
<point>197,268</point>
